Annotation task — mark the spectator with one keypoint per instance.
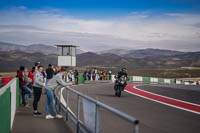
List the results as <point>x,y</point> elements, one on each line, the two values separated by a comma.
<point>101,75</point>
<point>39,83</point>
<point>96,73</point>
<point>21,83</point>
<point>104,75</point>
<point>89,74</point>
<point>76,74</point>
<point>93,75</point>
<point>37,64</point>
<point>49,72</point>
<point>69,74</point>
<point>27,87</point>
<point>109,74</point>
<point>55,83</point>
<point>31,74</point>
<point>85,75</point>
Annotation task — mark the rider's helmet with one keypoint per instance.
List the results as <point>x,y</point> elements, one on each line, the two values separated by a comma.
<point>123,70</point>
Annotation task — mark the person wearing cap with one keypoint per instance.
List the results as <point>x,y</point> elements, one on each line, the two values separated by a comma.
<point>54,83</point>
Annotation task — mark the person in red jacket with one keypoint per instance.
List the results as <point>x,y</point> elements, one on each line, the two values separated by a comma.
<point>31,74</point>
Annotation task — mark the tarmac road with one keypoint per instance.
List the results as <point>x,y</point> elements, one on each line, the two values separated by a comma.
<point>154,117</point>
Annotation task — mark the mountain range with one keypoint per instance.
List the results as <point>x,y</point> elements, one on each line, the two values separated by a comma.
<point>12,56</point>
<point>32,48</point>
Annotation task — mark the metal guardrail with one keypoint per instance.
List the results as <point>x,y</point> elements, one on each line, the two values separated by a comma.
<point>80,127</point>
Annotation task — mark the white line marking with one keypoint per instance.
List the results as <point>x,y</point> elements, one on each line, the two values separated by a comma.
<point>163,103</point>
<point>135,87</point>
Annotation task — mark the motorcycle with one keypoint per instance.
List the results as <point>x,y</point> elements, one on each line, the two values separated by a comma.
<point>120,84</point>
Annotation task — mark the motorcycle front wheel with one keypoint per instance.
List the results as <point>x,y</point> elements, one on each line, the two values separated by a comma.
<point>118,92</point>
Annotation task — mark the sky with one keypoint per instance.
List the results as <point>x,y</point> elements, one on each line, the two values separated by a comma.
<point>102,24</point>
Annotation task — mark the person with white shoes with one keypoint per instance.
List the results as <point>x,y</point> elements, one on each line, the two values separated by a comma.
<point>55,83</point>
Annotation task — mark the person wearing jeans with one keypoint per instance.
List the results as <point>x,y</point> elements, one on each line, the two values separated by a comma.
<point>50,103</point>
<point>55,83</point>
<point>28,93</point>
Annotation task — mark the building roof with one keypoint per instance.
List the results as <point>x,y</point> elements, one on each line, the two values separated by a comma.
<point>65,45</point>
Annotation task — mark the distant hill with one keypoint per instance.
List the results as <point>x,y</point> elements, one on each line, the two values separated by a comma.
<point>179,60</point>
<point>141,53</point>
<point>151,53</point>
<point>12,60</point>
<point>31,48</point>
<point>9,46</point>
<point>12,56</point>
<point>119,52</point>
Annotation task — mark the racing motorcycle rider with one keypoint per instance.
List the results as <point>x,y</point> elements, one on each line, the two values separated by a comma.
<point>122,72</point>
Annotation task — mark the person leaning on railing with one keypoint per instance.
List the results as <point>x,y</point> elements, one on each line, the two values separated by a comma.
<point>55,83</point>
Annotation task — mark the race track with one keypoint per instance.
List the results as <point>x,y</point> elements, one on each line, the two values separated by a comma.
<point>154,117</point>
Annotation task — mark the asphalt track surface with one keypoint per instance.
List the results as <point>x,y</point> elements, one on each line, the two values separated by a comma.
<point>154,117</point>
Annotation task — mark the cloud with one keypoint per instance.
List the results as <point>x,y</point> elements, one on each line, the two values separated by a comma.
<point>176,31</point>
<point>197,25</point>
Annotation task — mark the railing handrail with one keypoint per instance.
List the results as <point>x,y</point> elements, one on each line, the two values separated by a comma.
<point>115,111</point>
<point>5,87</point>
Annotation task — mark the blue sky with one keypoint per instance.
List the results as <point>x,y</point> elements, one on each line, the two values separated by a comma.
<point>99,4</point>
<point>114,6</point>
<point>103,24</point>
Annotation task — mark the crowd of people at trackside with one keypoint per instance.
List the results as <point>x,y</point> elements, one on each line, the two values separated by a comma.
<point>97,74</point>
<point>38,79</point>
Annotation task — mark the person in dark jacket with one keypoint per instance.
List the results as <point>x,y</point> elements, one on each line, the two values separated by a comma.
<point>122,72</point>
<point>85,75</point>
<point>76,74</point>
<point>49,72</point>
<point>21,83</point>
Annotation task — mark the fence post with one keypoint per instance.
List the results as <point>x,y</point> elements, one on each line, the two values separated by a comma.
<point>78,113</point>
<point>136,129</point>
<point>96,118</point>
<point>67,103</point>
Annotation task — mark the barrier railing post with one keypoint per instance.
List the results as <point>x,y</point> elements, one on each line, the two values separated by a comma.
<point>136,128</point>
<point>67,103</point>
<point>96,118</point>
<point>59,102</point>
<point>78,113</point>
<point>98,105</point>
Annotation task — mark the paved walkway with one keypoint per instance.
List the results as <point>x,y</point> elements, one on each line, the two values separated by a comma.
<point>25,122</point>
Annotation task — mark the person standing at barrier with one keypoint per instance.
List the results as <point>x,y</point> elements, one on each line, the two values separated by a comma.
<point>104,75</point>
<point>69,75</point>
<point>39,83</point>
<point>76,74</point>
<point>85,75</point>
<point>93,75</point>
<point>55,83</point>
<point>27,87</point>
<point>49,72</point>
<point>37,64</point>
<point>22,82</point>
<point>89,74</point>
<point>109,74</point>
<point>31,74</point>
